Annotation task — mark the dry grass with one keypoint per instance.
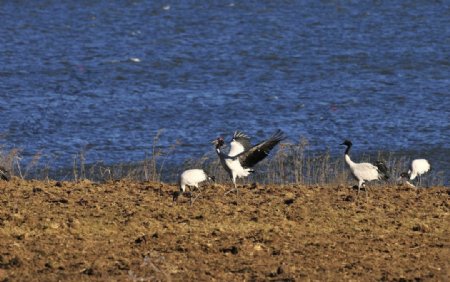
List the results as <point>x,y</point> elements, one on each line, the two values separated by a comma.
<point>290,164</point>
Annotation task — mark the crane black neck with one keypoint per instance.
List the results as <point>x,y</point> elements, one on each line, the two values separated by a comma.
<point>348,149</point>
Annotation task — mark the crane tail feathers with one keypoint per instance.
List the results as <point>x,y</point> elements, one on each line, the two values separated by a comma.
<point>382,168</point>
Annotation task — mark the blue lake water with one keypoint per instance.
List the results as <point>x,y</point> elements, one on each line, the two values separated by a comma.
<point>104,77</point>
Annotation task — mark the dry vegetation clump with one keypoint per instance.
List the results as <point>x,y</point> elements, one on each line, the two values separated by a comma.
<point>130,230</point>
<point>291,163</point>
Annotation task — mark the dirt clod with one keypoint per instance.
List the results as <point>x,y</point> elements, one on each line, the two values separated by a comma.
<point>280,270</point>
<point>421,227</point>
<point>289,201</point>
<point>233,249</point>
<point>348,198</point>
<point>13,262</point>
<point>82,202</point>
<point>141,239</point>
<point>36,190</point>
<point>88,271</point>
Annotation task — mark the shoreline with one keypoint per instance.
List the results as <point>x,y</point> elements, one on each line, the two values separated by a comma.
<point>291,163</point>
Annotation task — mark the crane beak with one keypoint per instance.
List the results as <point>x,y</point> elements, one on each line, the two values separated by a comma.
<point>216,141</point>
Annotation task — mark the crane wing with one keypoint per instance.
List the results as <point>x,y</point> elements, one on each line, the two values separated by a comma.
<point>239,144</point>
<point>258,152</point>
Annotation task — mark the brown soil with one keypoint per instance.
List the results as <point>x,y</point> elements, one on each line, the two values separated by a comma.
<point>130,231</point>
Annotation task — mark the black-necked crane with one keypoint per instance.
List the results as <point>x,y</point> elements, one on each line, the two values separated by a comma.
<point>239,162</point>
<point>364,172</point>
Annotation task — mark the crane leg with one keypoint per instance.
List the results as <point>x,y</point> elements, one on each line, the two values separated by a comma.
<point>367,191</point>
<point>419,181</point>
<point>235,187</point>
<point>360,184</point>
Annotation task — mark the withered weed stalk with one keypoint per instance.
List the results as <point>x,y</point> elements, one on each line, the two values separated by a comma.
<point>150,164</point>
<point>289,163</point>
<point>79,166</point>
<point>11,161</point>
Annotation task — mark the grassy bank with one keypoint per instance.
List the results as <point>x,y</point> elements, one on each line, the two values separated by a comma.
<point>291,163</point>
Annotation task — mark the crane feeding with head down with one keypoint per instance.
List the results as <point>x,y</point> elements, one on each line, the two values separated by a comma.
<point>417,168</point>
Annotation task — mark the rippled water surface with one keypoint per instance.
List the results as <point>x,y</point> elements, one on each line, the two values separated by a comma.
<point>105,77</point>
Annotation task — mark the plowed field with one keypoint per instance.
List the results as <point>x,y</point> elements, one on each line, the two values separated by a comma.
<point>130,231</point>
